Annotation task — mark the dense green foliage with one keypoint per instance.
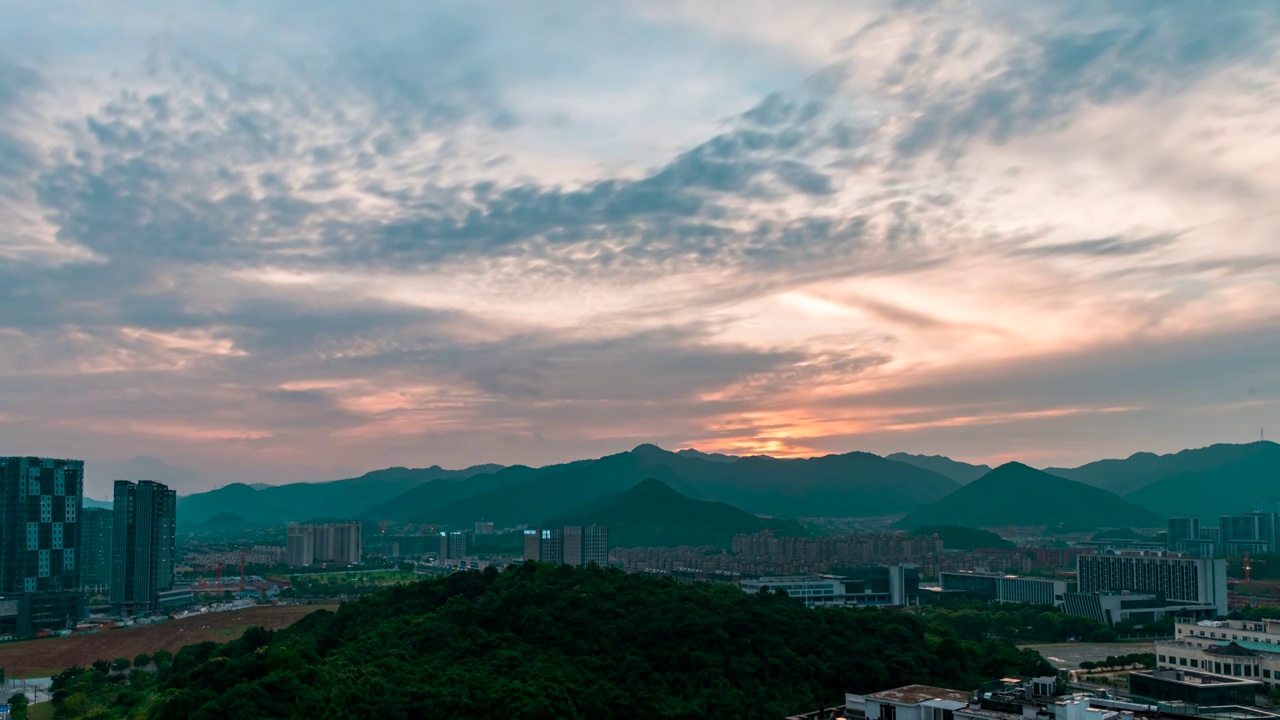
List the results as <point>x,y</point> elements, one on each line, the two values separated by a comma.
<point>975,619</point>
<point>1119,661</point>
<point>1014,494</point>
<point>349,584</point>
<point>955,537</point>
<point>539,641</point>
<point>1262,612</point>
<point>651,514</point>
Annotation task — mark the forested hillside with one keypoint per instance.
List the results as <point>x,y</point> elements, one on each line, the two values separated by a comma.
<point>538,642</point>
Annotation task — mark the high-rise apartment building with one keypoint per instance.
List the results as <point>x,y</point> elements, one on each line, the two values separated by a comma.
<point>95,548</point>
<point>338,544</point>
<point>40,500</point>
<point>143,547</point>
<point>544,546</point>
<point>300,545</point>
<point>1177,579</point>
<point>1182,529</point>
<point>587,544</point>
<point>1253,532</point>
<point>484,527</point>
<point>453,545</point>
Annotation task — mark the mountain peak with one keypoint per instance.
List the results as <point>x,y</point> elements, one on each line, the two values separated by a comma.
<point>653,487</point>
<point>647,449</point>
<point>1016,494</point>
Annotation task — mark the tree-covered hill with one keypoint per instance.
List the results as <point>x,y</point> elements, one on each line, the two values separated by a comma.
<point>540,641</point>
<point>652,514</point>
<point>958,537</point>
<point>1014,494</point>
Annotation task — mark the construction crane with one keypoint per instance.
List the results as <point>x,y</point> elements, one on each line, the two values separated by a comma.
<point>1248,566</point>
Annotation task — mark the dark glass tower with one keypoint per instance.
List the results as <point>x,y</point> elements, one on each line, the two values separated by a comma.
<point>143,546</point>
<point>95,548</point>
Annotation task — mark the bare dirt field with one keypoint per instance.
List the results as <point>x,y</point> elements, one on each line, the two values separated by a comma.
<point>1068,656</point>
<point>48,656</point>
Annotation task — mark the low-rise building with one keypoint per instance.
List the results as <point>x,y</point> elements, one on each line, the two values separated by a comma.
<point>1137,607</point>
<point>1170,685</point>
<point>914,702</point>
<point>877,585</point>
<point>998,587</point>
<point>1244,649</point>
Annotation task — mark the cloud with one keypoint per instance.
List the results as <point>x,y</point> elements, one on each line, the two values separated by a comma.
<point>1100,247</point>
<point>480,232</point>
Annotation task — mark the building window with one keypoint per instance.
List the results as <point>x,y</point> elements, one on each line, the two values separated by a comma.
<point>68,559</point>
<point>33,536</point>
<point>1266,673</point>
<point>57,536</point>
<point>888,712</point>
<point>1182,661</point>
<point>1162,658</point>
<point>71,512</point>
<point>29,585</point>
<point>1248,671</point>
<point>46,508</point>
<point>44,563</point>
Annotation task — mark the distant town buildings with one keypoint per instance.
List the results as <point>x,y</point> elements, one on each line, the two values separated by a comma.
<point>577,545</point>
<point>586,544</point>
<point>336,543</point>
<point>39,536</point>
<point>95,548</point>
<point>143,547</point>
<point>484,527</point>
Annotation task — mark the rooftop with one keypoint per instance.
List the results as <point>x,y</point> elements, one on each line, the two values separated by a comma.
<point>1232,649</point>
<point>1192,677</point>
<point>913,694</point>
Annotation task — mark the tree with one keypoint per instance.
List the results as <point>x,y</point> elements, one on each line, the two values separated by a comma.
<point>102,666</point>
<point>18,706</point>
<point>120,664</point>
<point>142,661</point>
<point>162,659</point>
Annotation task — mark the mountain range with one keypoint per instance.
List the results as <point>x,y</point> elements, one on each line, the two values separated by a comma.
<point>1205,482</point>
<point>653,514</point>
<point>1014,494</point>
<point>961,472</point>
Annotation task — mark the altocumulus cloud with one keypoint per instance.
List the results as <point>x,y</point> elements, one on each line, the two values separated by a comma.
<point>469,233</point>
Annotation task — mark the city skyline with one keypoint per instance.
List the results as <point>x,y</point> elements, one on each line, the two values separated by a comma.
<point>300,242</point>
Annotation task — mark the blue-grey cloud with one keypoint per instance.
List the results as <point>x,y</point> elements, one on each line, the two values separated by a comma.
<point>264,232</point>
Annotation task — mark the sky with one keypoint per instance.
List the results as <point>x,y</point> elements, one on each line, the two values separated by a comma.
<point>279,241</point>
